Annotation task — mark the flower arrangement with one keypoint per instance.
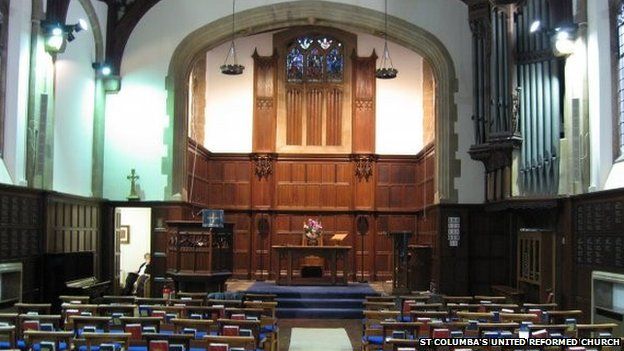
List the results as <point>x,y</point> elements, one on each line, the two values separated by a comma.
<point>312,229</point>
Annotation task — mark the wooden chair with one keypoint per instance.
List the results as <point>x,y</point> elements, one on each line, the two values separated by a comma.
<point>245,342</point>
<point>259,297</point>
<point>247,311</point>
<point>8,337</point>
<point>412,329</point>
<point>493,299</point>
<point>206,312</point>
<point>485,327</point>
<point>380,306</point>
<point>172,339</point>
<point>457,299</point>
<point>372,334</point>
<point>180,302</point>
<point>40,308</point>
<point>9,318</point>
<point>409,344</point>
<point>150,301</point>
<point>463,307</point>
<point>426,307</point>
<point>68,310</point>
<point>518,317</point>
<point>225,303</point>
<point>143,321</point>
<point>202,326</point>
<point>559,316</point>
<point>451,326</point>
<point>122,309</point>
<point>61,339</point>
<point>489,307</point>
<point>268,307</point>
<point>77,323</point>
<point>586,330</point>
<point>125,300</point>
<point>96,339</point>
<point>541,306</point>
<point>169,311</point>
<point>252,325</point>
<point>54,319</point>
<point>478,316</point>
<point>193,295</point>
<point>428,314</point>
<point>75,299</point>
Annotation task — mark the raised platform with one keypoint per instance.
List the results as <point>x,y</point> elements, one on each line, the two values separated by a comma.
<point>335,302</point>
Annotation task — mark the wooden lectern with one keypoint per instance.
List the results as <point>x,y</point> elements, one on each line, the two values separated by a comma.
<point>400,273</point>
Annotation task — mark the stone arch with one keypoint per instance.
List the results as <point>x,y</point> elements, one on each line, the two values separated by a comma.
<point>322,13</point>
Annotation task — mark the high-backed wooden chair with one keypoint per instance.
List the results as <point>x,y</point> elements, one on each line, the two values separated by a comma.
<point>245,342</point>
<point>40,308</point>
<point>61,339</point>
<point>96,339</point>
<point>75,299</point>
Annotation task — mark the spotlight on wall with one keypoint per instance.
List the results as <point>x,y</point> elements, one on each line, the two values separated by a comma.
<point>102,69</point>
<point>563,40</point>
<point>54,39</point>
<point>535,26</point>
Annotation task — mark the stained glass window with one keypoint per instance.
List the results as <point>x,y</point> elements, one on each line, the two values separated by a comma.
<point>315,59</point>
<point>294,65</point>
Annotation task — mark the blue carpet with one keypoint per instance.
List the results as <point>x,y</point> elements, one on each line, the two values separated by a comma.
<point>336,302</point>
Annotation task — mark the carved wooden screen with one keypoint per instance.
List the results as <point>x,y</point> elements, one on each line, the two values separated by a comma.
<point>314,91</point>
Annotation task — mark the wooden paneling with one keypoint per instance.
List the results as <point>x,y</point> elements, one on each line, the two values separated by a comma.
<point>264,126</point>
<point>294,116</point>
<point>334,117</point>
<point>364,86</point>
<point>314,117</point>
<point>286,189</point>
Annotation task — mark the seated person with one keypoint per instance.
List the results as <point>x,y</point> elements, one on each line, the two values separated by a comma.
<point>136,281</point>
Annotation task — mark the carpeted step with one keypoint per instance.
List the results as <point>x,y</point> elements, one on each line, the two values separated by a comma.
<point>319,303</point>
<point>317,295</point>
<point>317,313</point>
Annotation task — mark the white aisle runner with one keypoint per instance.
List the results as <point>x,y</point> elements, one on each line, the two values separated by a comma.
<point>319,339</point>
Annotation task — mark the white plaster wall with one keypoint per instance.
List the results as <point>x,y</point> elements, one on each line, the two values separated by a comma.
<point>399,110</point>
<point>600,94</point>
<point>131,254</point>
<point>74,101</point>
<point>136,117</point>
<point>229,99</point>
<point>13,164</point>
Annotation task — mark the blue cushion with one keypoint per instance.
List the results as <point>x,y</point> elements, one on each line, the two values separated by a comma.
<point>405,319</point>
<point>21,344</point>
<point>96,348</point>
<point>62,346</point>
<point>166,332</point>
<point>197,349</point>
<point>137,348</point>
<point>5,345</point>
<point>373,339</point>
<point>269,328</point>
<point>200,335</point>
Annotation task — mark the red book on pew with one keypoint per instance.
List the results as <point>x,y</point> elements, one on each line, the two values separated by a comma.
<point>441,333</point>
<point>238,316</point>
<point>30,325</point>
<point>218,347</point>
<point>230,330</point>
<point>161,314</point>
<point>537,312</point>
<point>159,345</point>
<point>406,306</point>
<point>135,330</point>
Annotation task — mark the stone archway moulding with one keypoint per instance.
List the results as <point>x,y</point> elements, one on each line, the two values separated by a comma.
<point>322,13</point>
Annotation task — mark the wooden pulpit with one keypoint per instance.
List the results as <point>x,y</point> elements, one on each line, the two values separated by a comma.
<point>199,259</point>
<point>400,273</point>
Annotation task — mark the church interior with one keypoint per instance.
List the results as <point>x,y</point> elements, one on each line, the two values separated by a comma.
<point>311,175</point>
